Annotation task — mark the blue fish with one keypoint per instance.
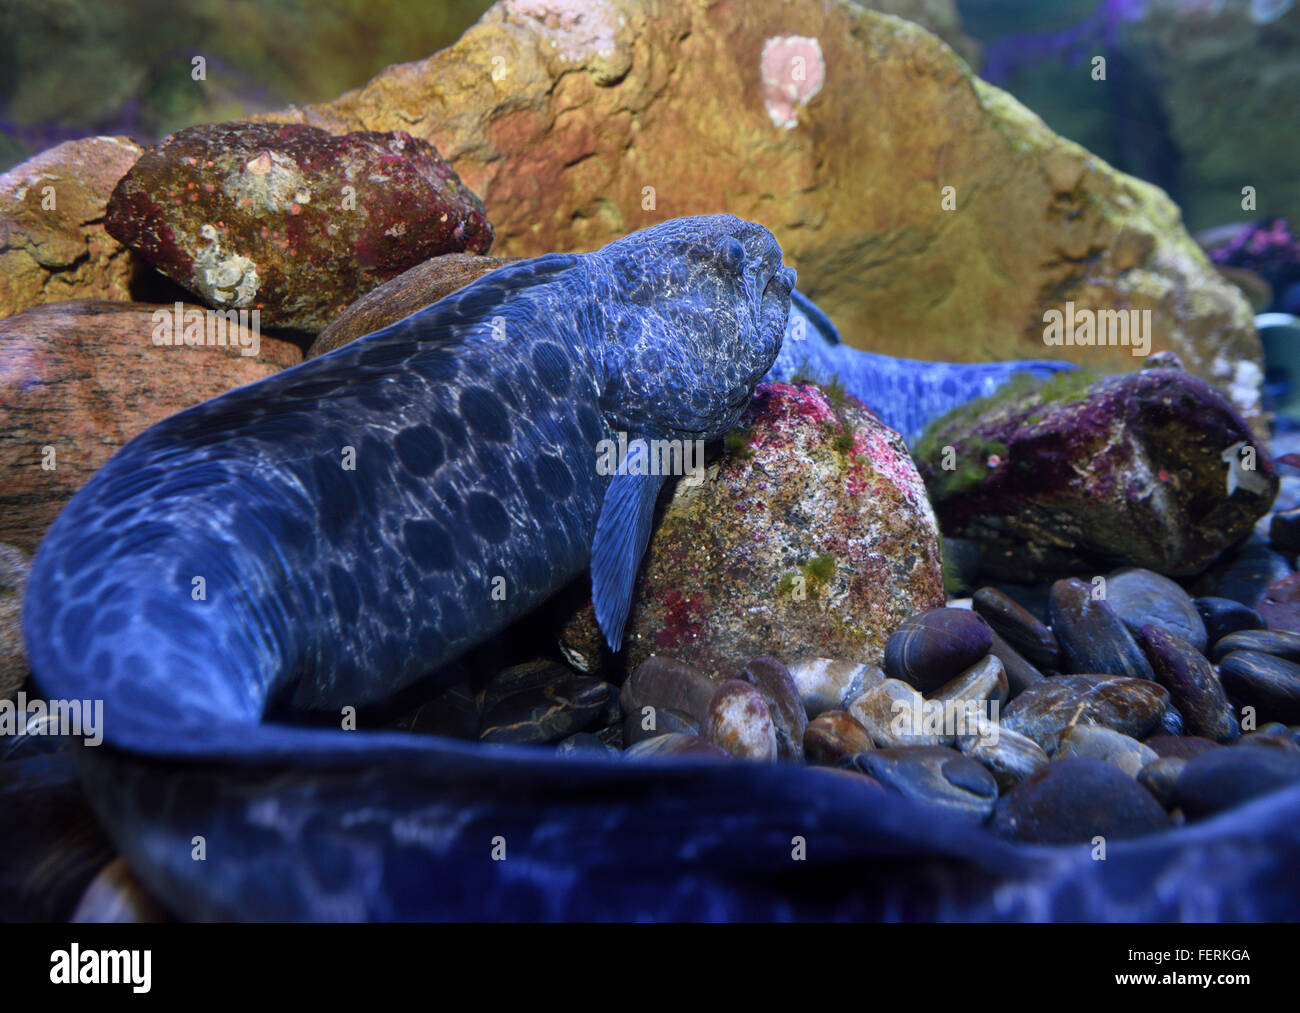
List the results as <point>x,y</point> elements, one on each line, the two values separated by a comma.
<point>242,574</point>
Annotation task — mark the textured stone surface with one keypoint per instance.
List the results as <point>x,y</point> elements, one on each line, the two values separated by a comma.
<point>593,103</point>
<point>828,684</point>
<point>740,723</point>
<point>289,219</point>
<point>1141,596</point>
<point>1221,108</point>
<point>14,566</point>
<point>1194,686</point>
<point>833,736</point>
<point>50,253</point>
<point>1069,476</point>
<point>812,536</point>
<point>83,377</point>
<point>1046,710</point>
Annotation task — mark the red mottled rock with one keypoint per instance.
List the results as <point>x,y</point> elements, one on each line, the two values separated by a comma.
<point>290,220</point>
<point>14,567</point>
<point>53,245</point>
<point>581,121</point>
<point>78,379</point>
<point>1151,469</point>
<point>811,536</point>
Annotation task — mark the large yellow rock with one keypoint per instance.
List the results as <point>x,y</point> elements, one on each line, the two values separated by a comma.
<point>578,121</point>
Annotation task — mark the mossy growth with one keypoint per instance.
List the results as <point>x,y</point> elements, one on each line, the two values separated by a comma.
<point>970,467</point>
<point>1023,392</point>
<point>811,578</point>
<point>842,442</point>
<point>736,442</point>
<point>953,584</point>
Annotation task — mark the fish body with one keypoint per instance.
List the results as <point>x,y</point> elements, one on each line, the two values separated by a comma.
<point>227,578</point>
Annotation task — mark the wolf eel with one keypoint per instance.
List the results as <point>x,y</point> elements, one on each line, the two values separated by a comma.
<point>227,573</point>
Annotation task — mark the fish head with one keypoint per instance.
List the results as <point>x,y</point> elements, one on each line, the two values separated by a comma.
<point>695,315</point>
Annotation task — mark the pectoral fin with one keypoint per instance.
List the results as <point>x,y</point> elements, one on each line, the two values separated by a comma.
<point>622,533</point>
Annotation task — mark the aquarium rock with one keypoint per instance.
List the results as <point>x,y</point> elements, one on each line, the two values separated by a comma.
<point>290,220</point>
<point>811,536</point>
<point>1071,476</point>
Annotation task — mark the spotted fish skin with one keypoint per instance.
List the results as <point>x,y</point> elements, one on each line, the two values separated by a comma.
<point>329,535</point>
<point>906,394</point>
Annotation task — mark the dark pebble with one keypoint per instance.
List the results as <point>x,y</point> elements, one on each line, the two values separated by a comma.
<point>1020,673</point>
<point>675,744</point>
<point>1093,638</point>
<point>1275,642</point>
<point>452,714</point>
<point>1159,777</point>
<point>1194,687</point>
<point>1223,616</point>
<point>663,682</point>
<point>1270,684</point>
<point>649,721</point>
<point>1183,746</point>
<point>1018,627</point>
<point>1074,800</point>
<point>1271,740</point>
<point>1224,778</point>
<point>1046,709</point>
<point>773,680</point>
<point>1250,575</point>
<point>1284,531</point>
<point>541,702</point>
<point>832,736</point>
<point>935,775</point>
<point>1171,722</point>
<point>1145,598</point>
<point>930,648</point>
<point>584,744</point>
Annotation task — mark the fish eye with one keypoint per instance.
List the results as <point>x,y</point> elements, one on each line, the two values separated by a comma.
<point>731,255</point>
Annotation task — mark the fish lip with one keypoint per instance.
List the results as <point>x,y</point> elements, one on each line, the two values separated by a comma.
<point>774,303</point>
